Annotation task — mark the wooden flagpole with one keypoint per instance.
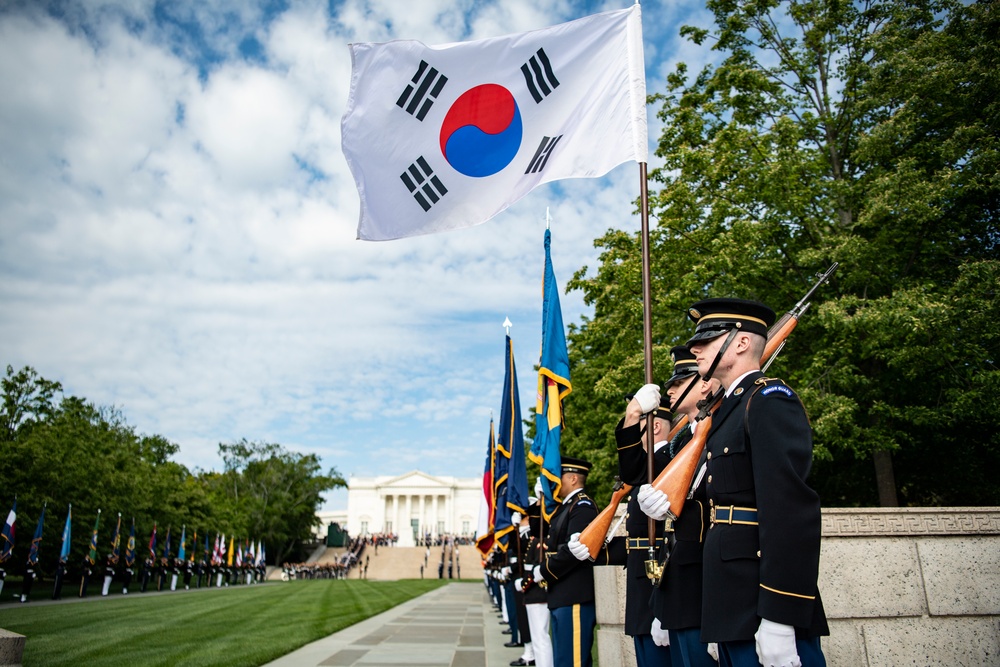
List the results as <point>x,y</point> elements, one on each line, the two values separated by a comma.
<point>647,335</point>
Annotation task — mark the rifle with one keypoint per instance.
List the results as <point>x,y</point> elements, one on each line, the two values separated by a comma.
<point>593,536</point>
<point>675,480</point>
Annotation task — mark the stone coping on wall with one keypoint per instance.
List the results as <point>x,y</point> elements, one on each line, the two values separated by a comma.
<point>910,521</point>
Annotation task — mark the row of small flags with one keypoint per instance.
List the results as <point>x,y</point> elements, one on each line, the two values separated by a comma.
<point>238,553</point>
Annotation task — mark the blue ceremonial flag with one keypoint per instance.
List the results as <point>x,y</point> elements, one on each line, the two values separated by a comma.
<point>512,478</point>
<point>66,536</point>
<point>7,538</point>
<point>166,545</point>
<point>181,552</point>
<point>36,541</point>
<point>92,555</point>
<point>447,136</point>
<point>512,436</point>
<point>553,387</point>
<point>130,547</point>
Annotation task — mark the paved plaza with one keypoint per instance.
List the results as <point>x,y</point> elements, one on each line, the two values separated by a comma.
<point>453,626</point>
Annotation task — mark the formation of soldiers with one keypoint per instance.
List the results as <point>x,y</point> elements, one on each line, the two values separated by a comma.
<point>159,574</point>
<point>338,570</point>
<point>731,580</point>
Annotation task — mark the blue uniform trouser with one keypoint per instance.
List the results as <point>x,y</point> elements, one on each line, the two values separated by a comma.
<point>573,635</point>
<point>648,654</point>
<point>495,591</point>
<point>687,649</point>
<point>744,653</point>
<point>508,597</point>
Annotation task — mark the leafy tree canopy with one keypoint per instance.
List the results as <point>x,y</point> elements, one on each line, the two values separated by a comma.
<point>58,450</point>
<point>864,133</point>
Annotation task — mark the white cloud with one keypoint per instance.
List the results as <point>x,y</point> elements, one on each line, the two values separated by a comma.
<point>177,228</point>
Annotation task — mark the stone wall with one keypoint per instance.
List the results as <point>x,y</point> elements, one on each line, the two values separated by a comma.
<point>912,586</point>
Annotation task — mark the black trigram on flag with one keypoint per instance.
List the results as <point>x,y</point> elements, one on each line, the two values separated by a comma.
<point>542,154</point>
<point>423,184</point>
<point>539,76</point>
<point>423,89</point>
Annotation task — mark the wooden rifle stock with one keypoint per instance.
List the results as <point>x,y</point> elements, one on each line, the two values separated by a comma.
<point>595,532</point>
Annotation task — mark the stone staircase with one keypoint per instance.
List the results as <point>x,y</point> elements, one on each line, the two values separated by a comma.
<point>391,563</point>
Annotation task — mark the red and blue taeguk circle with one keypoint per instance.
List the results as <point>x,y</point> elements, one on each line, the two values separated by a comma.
<point>481,132</point>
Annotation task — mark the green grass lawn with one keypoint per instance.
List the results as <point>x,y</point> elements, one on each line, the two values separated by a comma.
<point>239,625</point>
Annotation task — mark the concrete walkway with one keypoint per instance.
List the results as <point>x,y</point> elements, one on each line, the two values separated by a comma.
<point>453,626</point>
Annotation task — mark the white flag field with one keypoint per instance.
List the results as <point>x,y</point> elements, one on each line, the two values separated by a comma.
<point>444,137</point>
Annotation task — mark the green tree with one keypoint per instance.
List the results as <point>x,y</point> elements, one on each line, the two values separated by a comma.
<point>27,399</point>
<point>77,453</point>
<point>864,133</point>
<point>274,494</point>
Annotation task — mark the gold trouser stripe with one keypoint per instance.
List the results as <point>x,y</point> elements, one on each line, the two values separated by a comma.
<point>577,658</point>
<point>794,595</point>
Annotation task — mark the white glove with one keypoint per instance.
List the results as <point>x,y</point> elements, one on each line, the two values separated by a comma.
<point>515,519</point>
<point>519,584</point>
<point>578,549</point>
<point>536,574</point>
<point>713,651</point>
<point>524,530</point>
<point>648,398</point>
<point>653,502</point>
<point>505,571</point>
<point>776,645</point>
<point>661,636</point>
<point>538,488</point>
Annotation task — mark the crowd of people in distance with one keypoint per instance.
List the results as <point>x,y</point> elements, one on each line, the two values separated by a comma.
<point>381,540</point>
<point>429,540</point>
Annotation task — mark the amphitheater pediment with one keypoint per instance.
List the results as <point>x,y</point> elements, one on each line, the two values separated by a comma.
<point>414,480</point>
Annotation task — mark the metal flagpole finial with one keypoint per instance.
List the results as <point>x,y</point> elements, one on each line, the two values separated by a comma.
<point>507,325</point>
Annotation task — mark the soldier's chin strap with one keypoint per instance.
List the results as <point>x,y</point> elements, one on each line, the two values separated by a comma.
<point>722,350</point>
<point>680,399</point>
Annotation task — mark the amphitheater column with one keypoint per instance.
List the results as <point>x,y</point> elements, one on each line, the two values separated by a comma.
<point>423,515</point>
<point>395,513</point>
<point>447,513</point>
<point>405,531</point>
<point>390,512</point>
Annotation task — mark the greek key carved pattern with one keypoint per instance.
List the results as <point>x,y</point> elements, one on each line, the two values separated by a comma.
<point>879,522</point>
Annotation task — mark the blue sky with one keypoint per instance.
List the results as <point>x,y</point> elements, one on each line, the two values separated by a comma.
<point>178,222</point>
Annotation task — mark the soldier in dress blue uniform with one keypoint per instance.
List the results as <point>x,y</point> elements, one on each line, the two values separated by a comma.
<point>761,555</point>
<point>676,601</point>
<point>570,581</point>
<point>535,599</point>
<point>632,551</point>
